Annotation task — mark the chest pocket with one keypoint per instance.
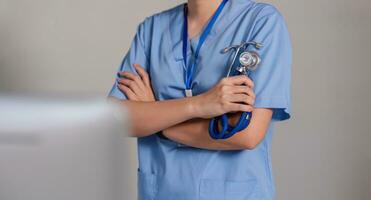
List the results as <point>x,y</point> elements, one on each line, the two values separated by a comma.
<point>227,190</point>
<point>167,78</point>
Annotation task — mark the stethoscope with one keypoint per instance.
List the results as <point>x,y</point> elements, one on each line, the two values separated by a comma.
<point>247,61</point>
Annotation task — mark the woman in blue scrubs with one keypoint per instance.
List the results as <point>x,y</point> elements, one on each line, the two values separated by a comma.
<point>178,160</point>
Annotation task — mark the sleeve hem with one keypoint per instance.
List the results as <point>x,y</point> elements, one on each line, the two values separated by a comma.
<point>279,104</point>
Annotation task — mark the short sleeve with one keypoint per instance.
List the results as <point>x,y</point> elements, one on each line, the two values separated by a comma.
<point>135,55</point>
<point>272,78</point>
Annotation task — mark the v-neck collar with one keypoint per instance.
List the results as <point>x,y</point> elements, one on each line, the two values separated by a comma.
<point>232,9</point>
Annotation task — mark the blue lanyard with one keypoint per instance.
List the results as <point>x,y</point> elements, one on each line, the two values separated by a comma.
<point>190,71</point>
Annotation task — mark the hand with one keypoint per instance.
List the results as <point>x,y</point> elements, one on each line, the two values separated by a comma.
<point>136,88</point>
<point>232,94</point>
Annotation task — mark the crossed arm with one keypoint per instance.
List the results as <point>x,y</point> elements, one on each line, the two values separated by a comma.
<point>186,120</point>
<point>195,133</point>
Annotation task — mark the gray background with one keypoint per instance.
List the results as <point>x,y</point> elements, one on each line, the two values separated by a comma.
<point>73,47</point>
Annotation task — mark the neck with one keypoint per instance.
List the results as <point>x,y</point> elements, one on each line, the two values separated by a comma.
<point>202,10</point>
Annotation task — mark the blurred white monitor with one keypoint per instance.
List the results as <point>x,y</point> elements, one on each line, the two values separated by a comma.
<point>62,150</point>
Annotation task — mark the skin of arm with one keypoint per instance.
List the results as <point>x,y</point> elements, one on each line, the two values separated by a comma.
<point>157,115</point>
<point>194,133</point>
<point>186,128</point>
<point>149,116</point>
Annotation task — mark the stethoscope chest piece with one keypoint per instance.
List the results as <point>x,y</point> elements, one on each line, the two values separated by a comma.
<point>249,60</point>
<point>244,60</point>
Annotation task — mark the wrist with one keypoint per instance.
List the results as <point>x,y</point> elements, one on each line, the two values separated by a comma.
<point>194,106</point>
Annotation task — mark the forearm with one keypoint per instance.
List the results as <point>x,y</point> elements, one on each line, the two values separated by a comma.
<point>150,117</point>
<point>194,133</point>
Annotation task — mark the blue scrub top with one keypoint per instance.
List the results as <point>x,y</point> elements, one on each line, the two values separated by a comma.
<point>168,170</point>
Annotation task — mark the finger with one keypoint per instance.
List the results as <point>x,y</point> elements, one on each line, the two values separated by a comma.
<point>240,80</point>
<point>129,75</point>
<point>227,89</point>
<point>130,84</point>
<point>128,92</point>
<point>236,107</point>
<point>241,98</point>
<point>243,90</point>
<point>134,78</point>
<point>143,74</point>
